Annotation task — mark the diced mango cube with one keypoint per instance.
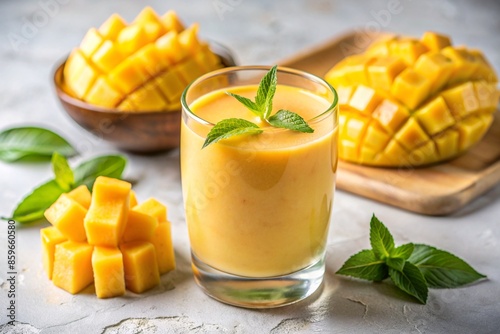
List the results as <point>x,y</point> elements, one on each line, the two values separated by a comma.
<point>408,49</point>
<point>383,71</point>
<point>74,65</point>
<point>436,67</point>
<point>109,275</point>
<point>141,266</point>
<point>337,76</point>
<point>104,94</point>
<point>170,47</point>
<point>153,208</point>
<point>133,199</point>
<point>147,15</point>
<point>435,116</point>
<point>111,28</point>
<point>461,100</point>
<point>447,144</point>
<point>107,216</point>
<point>132,38</point>
<point>206,59</point>
<point>67,215</point>
<point>355,128</point>
<point>107,57</point>
<point>376,138</point>
<point>140,226</point>
<point>464,64</point>
<point>151,59</point>
<point>349,150</point>
<point>470,130</point>
<point>365,99</point>
<point>356,69</point>
<point>423,154</point>
<point>50,238</point>
<point>484,70</point>
<point>162,241</point>
<point>73,266</point>
<point>80,82</point>
<point>171,85</point>
<point>396,154</point>
<point>171,22</point>
<point>148,97</point>
<point>487,95</point>
<point>411,135</point>
<point>189,70</point>
<point>344,94</point>
<point>189,40</point>
<point>128,75</point>
<point>434,41</point>
<point>82,195</point>
<point>91,42</point>
<point>391,115</point>
<point>411,88</point>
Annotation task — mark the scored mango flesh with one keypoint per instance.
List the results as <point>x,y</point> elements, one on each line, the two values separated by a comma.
<point>142,66</point>
<point>411,102</point>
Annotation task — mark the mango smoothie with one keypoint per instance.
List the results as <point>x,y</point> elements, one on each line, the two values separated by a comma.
<point>259,205</point>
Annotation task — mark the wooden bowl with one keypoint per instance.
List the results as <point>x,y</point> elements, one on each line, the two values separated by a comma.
<point>143,132</point>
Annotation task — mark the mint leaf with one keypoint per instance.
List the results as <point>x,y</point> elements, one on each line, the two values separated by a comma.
<point>32,207</point>
<point>411,281</point>
<point>364,265</point>
<point>381,239</point>
<point>289,120</point>
<point>396,263</point>
<point>266,91</point>
<point>247,103</point>
<point>32,143</point>
<point>108,165</point>
<point>230,127</point>
<point>62,172</point>
<point>403,251</point>
<point>442,269</point>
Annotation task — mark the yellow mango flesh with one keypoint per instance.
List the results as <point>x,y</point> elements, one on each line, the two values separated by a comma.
<point>140,264</point>
<point>67,215</point>
<point>109,275</point>
<point>127,66</point>
<point>82,195</point>
<point>73,266</point>
<point>411,102</point>
<point>50,237</point>
<point>162,241</point>
<point>146,241</point>
<point>107,216</point>
<point>140,226</point>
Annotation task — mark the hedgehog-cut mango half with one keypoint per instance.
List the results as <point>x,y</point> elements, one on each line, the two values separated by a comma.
<point>141,66</point>
<point>413,102</point>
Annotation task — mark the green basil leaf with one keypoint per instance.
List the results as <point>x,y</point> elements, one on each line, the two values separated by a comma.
<point>247,103</point>
<point>442,269</point>
<point>32,207</point>
<point>403,251</point>
<point>364,265</point>
<point>32,143</point>
<point>62,172</point>
<point>381,239</point>
<point>88,171</point>
<point>411,281</point>
<point>230,127</point>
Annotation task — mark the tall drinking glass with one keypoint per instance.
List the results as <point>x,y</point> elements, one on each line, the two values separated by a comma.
<point>258,206</point>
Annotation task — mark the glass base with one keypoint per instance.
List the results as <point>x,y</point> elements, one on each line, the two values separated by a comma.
<point>251,292</point>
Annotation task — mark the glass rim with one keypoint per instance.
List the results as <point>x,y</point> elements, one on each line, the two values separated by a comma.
<point>316,119</point>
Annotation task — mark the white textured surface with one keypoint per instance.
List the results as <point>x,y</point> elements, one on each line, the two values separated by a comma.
<point>259,32</point>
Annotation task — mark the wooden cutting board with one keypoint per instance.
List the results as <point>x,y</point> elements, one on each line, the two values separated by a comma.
<point>436,190</point>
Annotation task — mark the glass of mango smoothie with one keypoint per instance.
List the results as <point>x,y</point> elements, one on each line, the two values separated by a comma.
<point>258,205</point>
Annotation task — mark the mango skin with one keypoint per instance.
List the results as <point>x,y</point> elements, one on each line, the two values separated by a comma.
<point>410,102</point>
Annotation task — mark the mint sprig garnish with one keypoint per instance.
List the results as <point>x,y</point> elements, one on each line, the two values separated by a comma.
<point>262,107</point>
<point>414,268</point>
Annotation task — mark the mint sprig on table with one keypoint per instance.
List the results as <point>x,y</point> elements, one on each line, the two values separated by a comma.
<point>414,268</point>
<point>262,107</point>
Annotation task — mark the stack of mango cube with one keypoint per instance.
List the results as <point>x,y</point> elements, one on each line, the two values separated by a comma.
<point>142,66</point>
<point>108,239</point>
<point>413,102</point>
